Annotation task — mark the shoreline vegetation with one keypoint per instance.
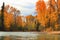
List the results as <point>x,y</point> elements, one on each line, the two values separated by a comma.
<point>46,20</point>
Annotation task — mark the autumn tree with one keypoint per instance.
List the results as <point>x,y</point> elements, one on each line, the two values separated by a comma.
<point>58,12</point>
<point>47,15</point>
<point>41,12</point>
<point>10,18</point>
<point>53,14</point>
<point>40,6</point>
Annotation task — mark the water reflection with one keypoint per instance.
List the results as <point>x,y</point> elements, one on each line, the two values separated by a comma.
<point>49,37</point>
<point>39,37</point>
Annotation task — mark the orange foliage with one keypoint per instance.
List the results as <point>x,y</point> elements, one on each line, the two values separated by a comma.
<point>44,13</point>
<point>9,17</point>
<point>29,19</point>
<point>19,20</point>
<point>58,4</point>
<point>53,2</point>
<point>40,6</point>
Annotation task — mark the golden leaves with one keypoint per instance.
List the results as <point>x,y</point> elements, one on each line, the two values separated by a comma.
<point>40,6</point>
<point>43,13</point>
<point>9,16</point>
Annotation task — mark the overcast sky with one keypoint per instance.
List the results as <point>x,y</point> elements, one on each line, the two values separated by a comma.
<point>26,7</point>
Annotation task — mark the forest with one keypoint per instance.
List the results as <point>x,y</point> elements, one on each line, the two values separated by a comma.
<point>46,20</point>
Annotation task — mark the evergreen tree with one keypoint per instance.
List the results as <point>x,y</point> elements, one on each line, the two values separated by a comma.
<point>2,18</point>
